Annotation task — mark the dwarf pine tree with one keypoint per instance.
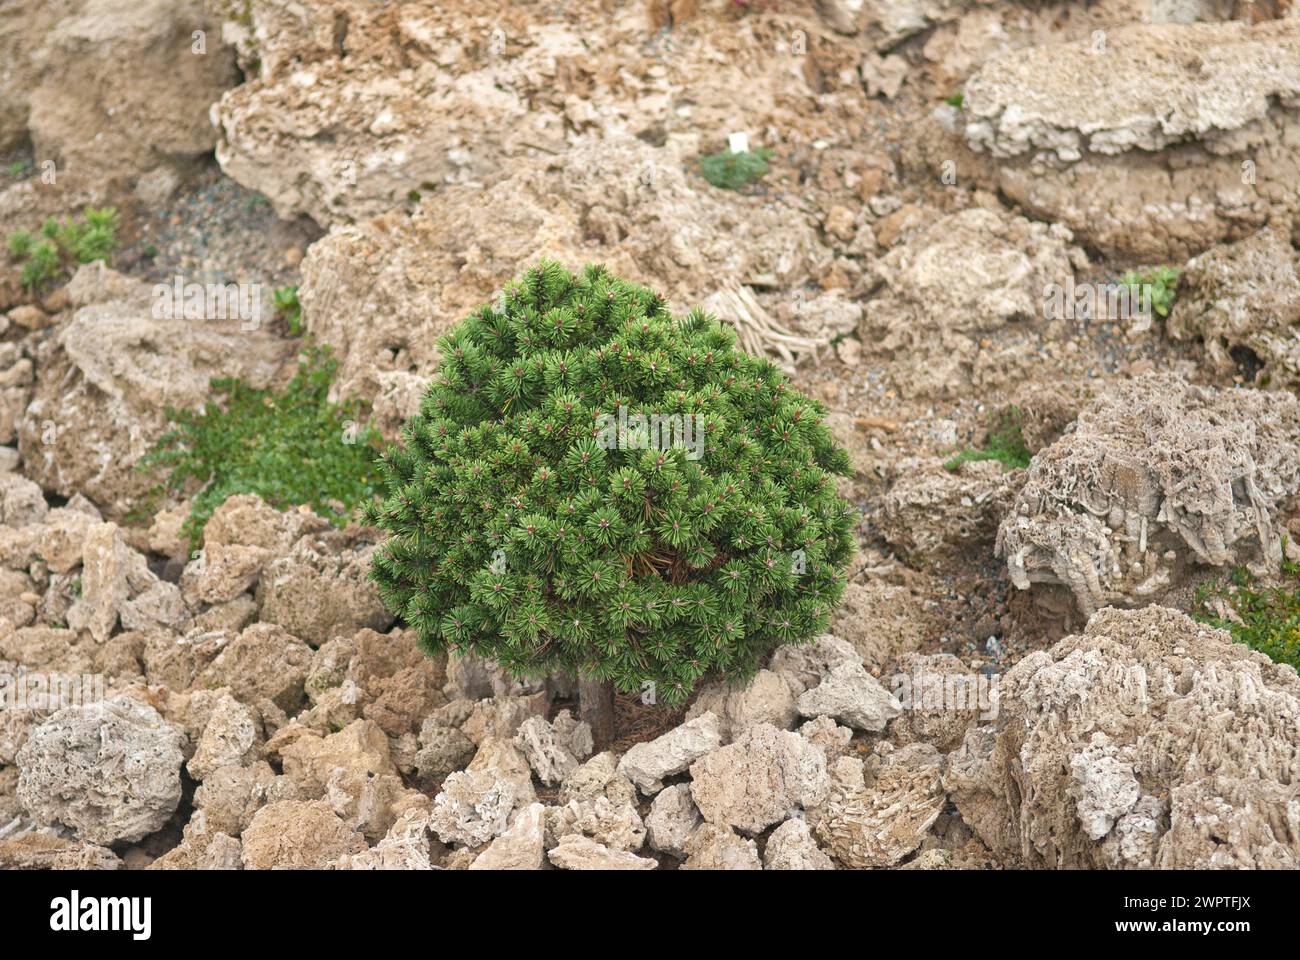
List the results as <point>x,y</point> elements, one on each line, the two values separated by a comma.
<point>594,486</point>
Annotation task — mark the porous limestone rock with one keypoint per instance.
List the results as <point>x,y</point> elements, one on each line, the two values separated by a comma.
<point>473,807</point>
<point>764,778</point>
<point>851,695</point>
<point>521,847</point>
<point>200,850</point>
<point>297,835</point>
<point>443,751</point>
<point>1147,740</point>
<point>714,847</point>
<point>803,666</point>
<point>766,698</point>
<point>321,588</point>
<point>576,852</point>
<point>647,764</point>
<point>554,749</point>
<point>672,819</point>
<point>230,738</point>
<point>966,327</point>
<point>941,697</point>
<point>42,851</point>
<point>875,824</point>
<point>1157,475</point>
<point>105,378</point>
<point>598,777</point>
<point>792,847</point>
<point>1242,301</point>
<point>931,513</point>
<point>311,760</point>
<point>264,661</point>
<point>616,825</point>
<point>110,771</point>
<point>1192,119</point>
<point>407,846</point>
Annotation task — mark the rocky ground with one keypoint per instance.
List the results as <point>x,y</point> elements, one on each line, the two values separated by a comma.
<point>937,164</point>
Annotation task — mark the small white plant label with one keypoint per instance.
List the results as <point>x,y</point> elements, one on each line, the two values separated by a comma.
<point>738,142</point>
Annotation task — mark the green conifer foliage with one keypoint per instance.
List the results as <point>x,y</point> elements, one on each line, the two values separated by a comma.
<point>524,530</point>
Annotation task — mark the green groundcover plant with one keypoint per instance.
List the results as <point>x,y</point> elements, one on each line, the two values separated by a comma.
<point>292,447</point>
<point>1267,618</point>
<point>1005,444</point>
<point>731,171</point>
<point>53,253</point>
<point>595,486</point>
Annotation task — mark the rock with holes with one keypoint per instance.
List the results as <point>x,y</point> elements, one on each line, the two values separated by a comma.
<point>1146,741</point>
<point>1157,477</point>
<point>647,764</point>
<point>110,771</point>
<point>764,778</point>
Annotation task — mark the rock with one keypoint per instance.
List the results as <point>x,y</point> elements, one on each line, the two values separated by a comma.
<point>21,501</point>
<point>105,378</point>
<point>829,736</point>
<point>549,749</point>
<point>504,760</point>
<point>443,751</point>
<point>881,621</point>
<point>764,778</point>
<point>616,825</point>
<point>41,851</point>
<point>598,777</point>
<point>672,820</point>
<point>937,319</point>
<point>370,803</point>
<point>932,513</point>
<point>202,851</point>
<point>521,847</point>
<point>230,738</point>
<point>791,847</point>
<point>941,697</point>
<point>1077,148</point>
<point>228,797</point>
<point>803,666</point>
<point>109,91</point>
<point>376,270</point>
<point>321,589</point>
<point>765,699</point>
<point>406,846</point>
<point>647,764</point>
<point>576,852</point>
<point>1146,741</point>
<point>851,695</point>
<point>116,582</point>
<point>311,760</point>
<point>297,835</point>
<point>263,661</point>
<point>501,716</point>
<point>110,772</point>
<point>876,824</point>
<point>1244,296</point>
<point>713,847</point>
<point>1157,475</point>
<point>474,807</point>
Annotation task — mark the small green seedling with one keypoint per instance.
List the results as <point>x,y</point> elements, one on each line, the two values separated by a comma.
<point>731,171</point>
<point>1162,282</point>
<point>1005,444</point>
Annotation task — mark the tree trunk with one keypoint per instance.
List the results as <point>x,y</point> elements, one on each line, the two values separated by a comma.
<point>596,706</point>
